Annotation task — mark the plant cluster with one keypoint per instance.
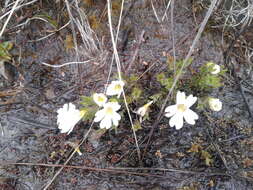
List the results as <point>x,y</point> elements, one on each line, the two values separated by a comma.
<point>104,108</point>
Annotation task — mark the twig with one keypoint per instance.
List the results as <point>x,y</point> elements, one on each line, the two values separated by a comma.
<point>119,74</point>
<point>232,68</point>
<point>65,64</point>
<point>173,36</point>
<point>141,39</point>
<point>197,37</point>
<point>217,149</point>
<point>112,170</point>
<point>123,170</point>
<point>18,7</point>
<point>9,17</point>
<point>69,158</point>
<point>165,13</point>
<point>116,41</point>
<point>44,37</point>
<point>30,122</point>
<point>157,18</point>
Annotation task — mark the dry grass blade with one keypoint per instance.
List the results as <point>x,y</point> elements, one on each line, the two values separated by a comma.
<point>119,74</point>
<point>9,17</point>
<point>17,8</point>
<point>66,64</point>
<point>69,158</point>
<point>194,43</point>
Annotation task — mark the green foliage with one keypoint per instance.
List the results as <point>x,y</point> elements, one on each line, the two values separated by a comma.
<point>113,100</point>
<point>178,65</point>
<point>204,80</point>
<point>156,97</point>
<point>166,78</point>
<point>167,82</point>
<point>89,107</point>
<point>87,101</point>
<point>134,91</point>
<point>137,125</point>
<point>5,47</point>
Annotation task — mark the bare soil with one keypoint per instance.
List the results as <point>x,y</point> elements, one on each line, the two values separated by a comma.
<point>28,127</point>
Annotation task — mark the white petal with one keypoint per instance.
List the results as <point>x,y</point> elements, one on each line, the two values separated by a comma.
<point>106,123</point>
<point>216,69</point>
<point>141,111</point>
<point>70,130</point>
<point>99,115</point>
<point>190,100</point>
<point>115,106</point>
<point>115,122</point>
<point>171,110</point>
<point>68,116</point>
<point>190,116</point>
<point>116,116</point>
<point>99,98</point>
<point>111,90</point>
<point>177,120</point>
<point>115,119</point>
<point>215,104</point>
<point>180,97</point>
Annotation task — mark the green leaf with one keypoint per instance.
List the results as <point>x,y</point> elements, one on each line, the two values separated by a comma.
<point>137,125</point>
<point>87,101</point>
<point>136,93</point>
<point>156,97</point>
<point>4,50</point>
<point>89,113</point>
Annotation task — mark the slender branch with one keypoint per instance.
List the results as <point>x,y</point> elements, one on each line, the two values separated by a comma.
<point>194,43</point>
<point>119,74</point>
<point>65,64</point>
<point>123,170</point>
<point>9,17</point>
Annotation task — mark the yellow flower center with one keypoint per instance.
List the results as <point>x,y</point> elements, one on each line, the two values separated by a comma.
<point>109,111</point>
<point>100,99</point>
<point>181,107</point>
<point>117,87</point>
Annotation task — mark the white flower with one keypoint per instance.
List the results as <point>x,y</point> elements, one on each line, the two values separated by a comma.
<point>215,104</point>
<point>108,115</point>
<point>100,99</point>
<point>215,68</point>
<point>115,88</point>
<point>181,110</point>
<point>68,117</point>
<point>142,110</point>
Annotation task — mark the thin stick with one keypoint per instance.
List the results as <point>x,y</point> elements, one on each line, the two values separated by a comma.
<point>165,13</point>
<point>116,41</point>
<point>123,170</point>
<point>70,157</point>
<point>120,78</point>
<point>65,64</point>
<point>173,36</point>
<point>72,28</point>
<point>141,39</point>
<point>9,17</point>
<point>44,37</point>
<point>196,39</point>
<point>157,18</point>
<point>18,7</point>
<point>112,170</point>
